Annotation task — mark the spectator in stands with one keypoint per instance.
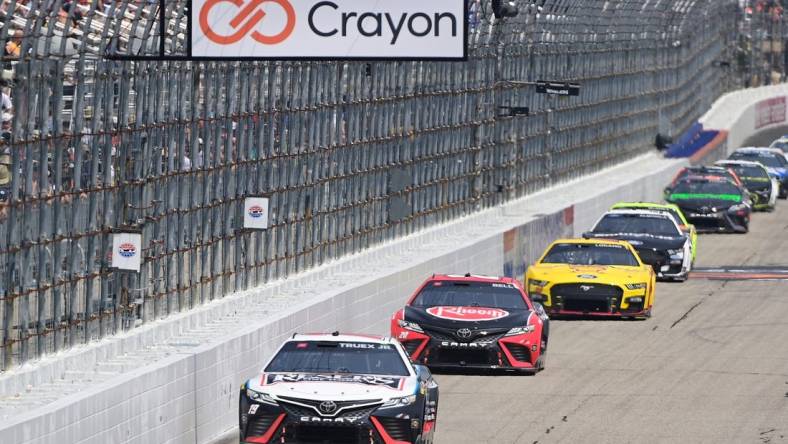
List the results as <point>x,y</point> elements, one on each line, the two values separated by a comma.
<point>7,119</point>
<point>13,48</point>
<point>5,182</point>
<point>198,160</point>
<point>186,162</point>
<point>6,104</point>
<point>76,16</point>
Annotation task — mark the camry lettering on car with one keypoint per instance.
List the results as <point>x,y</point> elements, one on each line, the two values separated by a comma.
<point>467,313</point>
<point>466,344</point>
<point>343,420</point>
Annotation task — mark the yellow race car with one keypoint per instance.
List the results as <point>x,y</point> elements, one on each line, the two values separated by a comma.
<point>592,277</point>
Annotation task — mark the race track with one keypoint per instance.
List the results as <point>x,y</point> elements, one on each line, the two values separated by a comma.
<point>710,366</point>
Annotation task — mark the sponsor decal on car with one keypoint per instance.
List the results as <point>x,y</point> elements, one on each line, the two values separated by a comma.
<point>692,196</point>
<point>381,381</point>
<point>467,313</point>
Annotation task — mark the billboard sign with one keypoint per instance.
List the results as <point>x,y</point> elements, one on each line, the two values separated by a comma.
<point>329,29</point>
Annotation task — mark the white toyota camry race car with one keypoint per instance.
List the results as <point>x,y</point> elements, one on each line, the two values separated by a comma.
<point>340,389</point>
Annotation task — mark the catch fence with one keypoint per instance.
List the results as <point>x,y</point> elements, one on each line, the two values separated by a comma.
<point>351,154</point>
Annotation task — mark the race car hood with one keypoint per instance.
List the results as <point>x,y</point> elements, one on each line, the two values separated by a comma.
<point>695,202</point>
<point>599,274</point>
<point>335,387</point>
<point>639,240</point>
<point>470,317</point>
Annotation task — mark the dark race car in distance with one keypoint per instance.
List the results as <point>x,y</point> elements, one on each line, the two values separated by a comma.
<point>335,388</point>
<point>774,161</point>
<point>655,235</point>
<point>479,322</point>
<point>763,188</point>
<point>713,204</point>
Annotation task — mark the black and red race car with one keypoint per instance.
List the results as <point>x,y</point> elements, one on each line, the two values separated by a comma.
<point>470,321</point>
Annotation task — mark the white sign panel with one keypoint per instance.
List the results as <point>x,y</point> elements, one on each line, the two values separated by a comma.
<point>256,213</point>
<point>127,251</point>
<point>329,29</point>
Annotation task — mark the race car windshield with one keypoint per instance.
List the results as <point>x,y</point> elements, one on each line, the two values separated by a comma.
<point>747,171</point>
<point>768,160</point>
<point>636,224</point>
<point>781,145</point>
<point>706,188</point>
<point>672,211</point>
<point>470,294</point>
<point>590,254</point>
<point>338,358</point>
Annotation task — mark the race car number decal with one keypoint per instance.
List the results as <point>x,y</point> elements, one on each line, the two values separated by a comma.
<point>381,381</point>
<point>467,313</point>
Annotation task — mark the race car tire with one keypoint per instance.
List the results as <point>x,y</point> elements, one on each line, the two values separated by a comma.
<point>243,407</point>
<point>540,363</point>
<point>646,315</point>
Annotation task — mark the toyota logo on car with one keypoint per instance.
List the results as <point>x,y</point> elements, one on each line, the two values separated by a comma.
<point>339,29</point>
<point>327,407</point>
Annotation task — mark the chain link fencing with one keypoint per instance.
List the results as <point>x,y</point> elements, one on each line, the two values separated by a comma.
<point>351,154</point>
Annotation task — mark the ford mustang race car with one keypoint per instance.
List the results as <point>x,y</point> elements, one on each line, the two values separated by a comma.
<point>594,277</point>
<point>473,322</point>
<point>772,158</point>
<point>339,389</point>
<point>671,209</point>
<point>713,204</point>
<point>656,236</point>
<point>763,188</point>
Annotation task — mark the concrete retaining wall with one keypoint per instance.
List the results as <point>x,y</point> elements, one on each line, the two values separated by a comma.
<point>190,396</point>
<point>746,113</point>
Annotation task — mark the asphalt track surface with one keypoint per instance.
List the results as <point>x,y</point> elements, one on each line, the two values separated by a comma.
<point>710,366</point>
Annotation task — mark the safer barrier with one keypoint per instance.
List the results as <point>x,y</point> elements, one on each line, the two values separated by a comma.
<point>190,394</point>
<point>743,114</point>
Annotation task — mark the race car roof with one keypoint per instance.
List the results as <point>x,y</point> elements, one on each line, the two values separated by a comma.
<point>639,212</point>
<point>467,277</point>
<point>759,150</point>
<point>592,241</point>
<point>644,205</point>
<point>705,178</point>
<point>349,337</point>
<point>740,162</point>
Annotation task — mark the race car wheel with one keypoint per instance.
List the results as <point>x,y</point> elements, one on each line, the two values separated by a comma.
<point>543,345</point>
